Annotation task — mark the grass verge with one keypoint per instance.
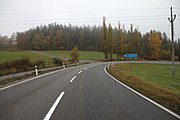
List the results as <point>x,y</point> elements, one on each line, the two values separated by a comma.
<point>153,81</point>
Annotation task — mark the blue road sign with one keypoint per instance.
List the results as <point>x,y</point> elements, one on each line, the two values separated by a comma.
<point>130,55</point>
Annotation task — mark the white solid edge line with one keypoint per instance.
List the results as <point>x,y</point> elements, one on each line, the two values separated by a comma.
<point>148,99</point>
<point>72,79</point>
<point>3,88</point>
<point>80,72</point>
<point>49,114</point>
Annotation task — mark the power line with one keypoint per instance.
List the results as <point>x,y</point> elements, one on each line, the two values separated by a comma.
<point>121,17</point>
<point>82,11</point>
<point>80,21</point>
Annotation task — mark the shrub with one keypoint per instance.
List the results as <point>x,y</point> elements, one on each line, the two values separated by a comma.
<point>39,63</point>
<point>57,61</point>
<point>20,65</point>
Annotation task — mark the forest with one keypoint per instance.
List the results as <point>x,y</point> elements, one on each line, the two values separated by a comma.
<point>154,45</point>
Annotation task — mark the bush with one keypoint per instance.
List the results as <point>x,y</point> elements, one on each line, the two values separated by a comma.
<point>39,63</point>
<point>19,65</point>
<point>57,61</point>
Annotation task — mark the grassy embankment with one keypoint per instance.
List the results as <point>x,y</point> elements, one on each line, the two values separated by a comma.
<point>152,80</point>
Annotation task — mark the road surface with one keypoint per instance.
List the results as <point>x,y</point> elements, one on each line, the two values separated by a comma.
<point>78,93</point>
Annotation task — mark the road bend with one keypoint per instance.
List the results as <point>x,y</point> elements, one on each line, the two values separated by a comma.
<point>79,93</point>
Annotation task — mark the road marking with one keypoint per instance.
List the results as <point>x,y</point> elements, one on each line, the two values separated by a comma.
<point>85,68</point>
<point>72,79</point>
<point>90,66</point>
<point>148,99</point>
<point>80,72</point>
<point>49,114</point>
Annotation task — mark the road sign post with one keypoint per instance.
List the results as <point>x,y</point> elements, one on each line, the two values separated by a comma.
<point>130,56</point>
<point>130,67</point>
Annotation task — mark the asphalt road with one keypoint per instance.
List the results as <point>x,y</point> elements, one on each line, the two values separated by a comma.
<point>79,93</point>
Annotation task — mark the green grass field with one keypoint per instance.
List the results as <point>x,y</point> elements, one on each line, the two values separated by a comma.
<point>84,55</point>
<point>156,74</point>
<point>152,80</point>
<point>13,55</point>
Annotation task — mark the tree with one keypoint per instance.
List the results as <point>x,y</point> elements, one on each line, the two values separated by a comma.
<point>4,42</point>
<point>177,49</point>
<point>39,42</point>
<point>144,46</point>
<point>154,45</point>
<point>110,41</point>
<point>74,54</point>
<point>104,41</point>
<point>136,36</point>
<point>133,40</point>
<point>59,36</point>
<point>120,42</point>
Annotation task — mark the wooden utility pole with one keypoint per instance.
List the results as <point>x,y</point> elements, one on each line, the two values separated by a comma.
<point>171,20</point>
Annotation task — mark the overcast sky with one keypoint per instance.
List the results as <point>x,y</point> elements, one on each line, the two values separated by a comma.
<point>21,15</point>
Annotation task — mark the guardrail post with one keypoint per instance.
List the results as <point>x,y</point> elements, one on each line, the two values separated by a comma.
<point>77,63</point>
<point>108,65</point>
<point>36,71</point>
<point>64,66</point>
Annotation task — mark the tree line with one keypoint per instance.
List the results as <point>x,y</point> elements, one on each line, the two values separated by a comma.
<point>152,45</point>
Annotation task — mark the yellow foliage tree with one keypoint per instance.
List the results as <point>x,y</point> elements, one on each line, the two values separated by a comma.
<point>74,54</point>
<point>154,44</point>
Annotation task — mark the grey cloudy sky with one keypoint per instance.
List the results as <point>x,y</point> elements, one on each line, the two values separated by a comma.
<point>21,15</point>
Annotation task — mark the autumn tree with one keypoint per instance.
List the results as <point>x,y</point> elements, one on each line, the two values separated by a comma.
<point>154,45</point>
<point>74,54</point>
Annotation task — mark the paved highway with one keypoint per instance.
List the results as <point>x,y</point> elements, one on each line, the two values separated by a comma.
<point>79,93</point>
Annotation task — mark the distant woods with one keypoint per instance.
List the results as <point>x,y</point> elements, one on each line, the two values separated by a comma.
<point>59,37</point>
<point>152,45</point>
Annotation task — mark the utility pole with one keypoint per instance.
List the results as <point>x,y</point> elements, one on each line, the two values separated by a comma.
<point>171,20</point>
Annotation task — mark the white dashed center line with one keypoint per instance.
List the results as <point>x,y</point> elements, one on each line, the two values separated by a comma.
<point>85,68</point>
<point>49,114</point>
<point>72,79</point>
<point>80,72</point>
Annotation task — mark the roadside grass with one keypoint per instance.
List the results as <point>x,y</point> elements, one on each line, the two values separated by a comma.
<point>84,55</point>
<point>152,80</point>
<point>14,55</point>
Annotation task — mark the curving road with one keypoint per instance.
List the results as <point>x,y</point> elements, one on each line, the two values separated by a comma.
<point>79,93</point>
